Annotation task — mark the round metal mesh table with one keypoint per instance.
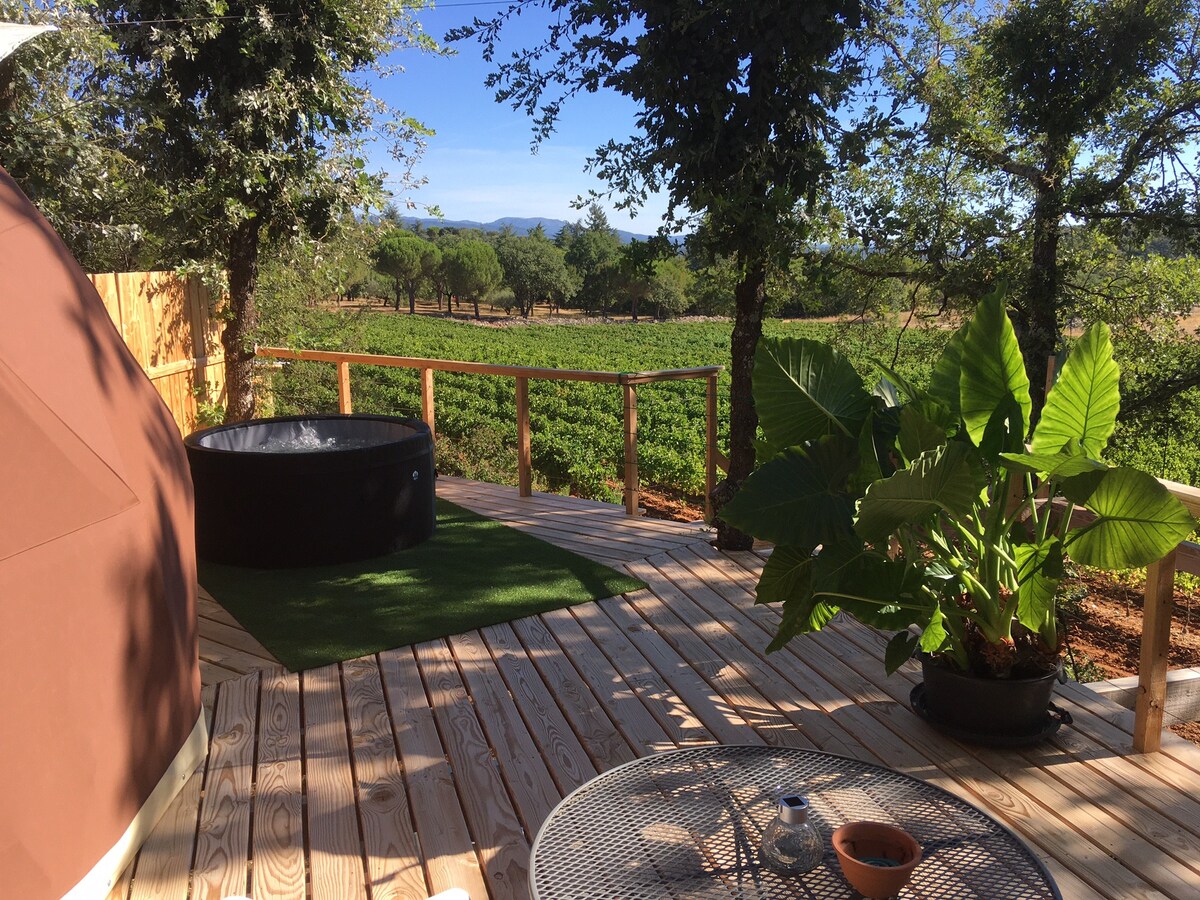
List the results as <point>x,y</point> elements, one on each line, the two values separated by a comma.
<point>688,824</point>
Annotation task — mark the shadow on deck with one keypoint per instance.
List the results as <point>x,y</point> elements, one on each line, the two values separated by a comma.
<point>432,766</point>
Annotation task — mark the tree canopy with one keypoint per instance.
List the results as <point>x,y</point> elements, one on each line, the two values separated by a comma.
<point>736,114</point>
<point>407,260</point>
<point>61,137</point>
<point>535,270</point>
<point>253,124</point>
<point>1019,124</point>
<point>472,269</point>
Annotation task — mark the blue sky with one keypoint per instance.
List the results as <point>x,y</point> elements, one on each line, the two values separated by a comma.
<point>479,165</point>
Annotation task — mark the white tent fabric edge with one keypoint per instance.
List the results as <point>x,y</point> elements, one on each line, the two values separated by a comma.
<point>14,34</point>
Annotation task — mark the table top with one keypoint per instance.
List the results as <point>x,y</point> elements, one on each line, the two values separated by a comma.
<point>688,824</point>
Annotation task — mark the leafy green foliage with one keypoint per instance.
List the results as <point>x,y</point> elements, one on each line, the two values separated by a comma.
<point>407,260</point>
<point>954,541</point>
<point>806,389</point>
<point>991,371</point>
<point>1052,149</point>
<point>1082,409</point>
<point>536,271</point>
<point>254,125</point>
<point>62,138</point>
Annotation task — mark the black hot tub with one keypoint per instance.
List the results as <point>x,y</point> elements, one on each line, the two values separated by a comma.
<point>311,490</point>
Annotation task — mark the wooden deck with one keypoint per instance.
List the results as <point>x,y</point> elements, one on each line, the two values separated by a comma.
<point>430,767</point>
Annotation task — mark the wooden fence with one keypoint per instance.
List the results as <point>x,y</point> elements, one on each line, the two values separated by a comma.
<point>629,382</point>
<point>169,325</point>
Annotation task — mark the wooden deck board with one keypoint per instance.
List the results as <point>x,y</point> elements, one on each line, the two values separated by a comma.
<point>431,767</point>
<point>502,844</point>
<point>335,849</point>
<point>389,839</point>
<point>279,869</point>
<point>446,845</point>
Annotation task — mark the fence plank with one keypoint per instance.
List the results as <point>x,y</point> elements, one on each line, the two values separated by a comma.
<point>168,326</point>
<point>631,454</point>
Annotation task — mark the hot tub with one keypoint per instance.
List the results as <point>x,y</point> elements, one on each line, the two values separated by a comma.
<point>311,490</point>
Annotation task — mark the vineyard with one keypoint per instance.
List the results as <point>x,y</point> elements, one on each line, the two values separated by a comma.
<point>576,427</point>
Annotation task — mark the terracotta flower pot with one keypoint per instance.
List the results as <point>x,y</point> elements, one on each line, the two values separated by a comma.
<point>876,859</point>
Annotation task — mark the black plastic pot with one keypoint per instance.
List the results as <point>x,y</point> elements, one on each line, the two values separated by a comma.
<point>1006,709</point>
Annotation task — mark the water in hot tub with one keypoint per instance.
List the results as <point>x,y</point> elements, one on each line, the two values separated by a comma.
<point>308,440</point>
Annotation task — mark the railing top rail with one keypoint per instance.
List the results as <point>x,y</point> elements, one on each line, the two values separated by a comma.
<point>1188,495</point>
<point>477,368</point>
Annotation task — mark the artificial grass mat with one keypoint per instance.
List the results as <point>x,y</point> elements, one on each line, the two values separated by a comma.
<point>473,572</point>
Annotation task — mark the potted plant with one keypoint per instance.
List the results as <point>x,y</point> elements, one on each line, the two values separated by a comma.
<point>927,508</point>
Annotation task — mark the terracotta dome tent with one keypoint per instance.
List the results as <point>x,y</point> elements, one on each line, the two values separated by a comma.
<point>100,716</point>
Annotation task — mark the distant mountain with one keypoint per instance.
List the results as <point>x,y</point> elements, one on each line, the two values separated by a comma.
<point>519,226</point>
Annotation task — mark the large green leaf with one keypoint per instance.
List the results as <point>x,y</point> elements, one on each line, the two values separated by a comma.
<point>804,390</point>
<point>1082,407</point>
<point>944,381</point>
<point>898,383</point>
<point>991,370</point>
<point>917,432</point>
<point>1052,465</point>
<point>800,616</point>
<point>882,592</point>
<point>786,576</point>
<point>1137,521</point>
<point>947,479</point>
<point>899,650</point>
<point>873,446</point>
<point>1039,569</point>
<point>799,497</point>
<point>935,636</point>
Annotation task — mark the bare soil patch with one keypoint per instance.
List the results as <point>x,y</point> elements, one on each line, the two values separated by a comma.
<point>659,505</point>
<point>1106,625</point>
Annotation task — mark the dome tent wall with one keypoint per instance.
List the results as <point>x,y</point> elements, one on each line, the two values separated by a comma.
<point>99,678</point>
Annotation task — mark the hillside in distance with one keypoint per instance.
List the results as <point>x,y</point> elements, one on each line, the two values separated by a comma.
<point>520,226</point>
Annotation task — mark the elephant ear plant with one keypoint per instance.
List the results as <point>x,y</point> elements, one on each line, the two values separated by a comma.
<point>927,507</point>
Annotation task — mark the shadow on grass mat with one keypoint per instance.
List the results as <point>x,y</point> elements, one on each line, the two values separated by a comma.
<point>472,572</point>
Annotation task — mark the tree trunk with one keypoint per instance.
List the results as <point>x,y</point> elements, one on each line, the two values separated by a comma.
<point>633,307</point>
<point>743,419</point>
<point>1038,323</point>
<point>475,301</point>
<point>8,86</point>
<point>412,300</point>
<point>238,339</point>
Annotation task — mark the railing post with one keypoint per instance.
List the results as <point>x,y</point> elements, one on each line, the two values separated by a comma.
<point>343,376</point>
<point>524,456</point>
<point>1152,667</point>
<point>427,399</point>
<point>631,460</point>
<point>710,445</point>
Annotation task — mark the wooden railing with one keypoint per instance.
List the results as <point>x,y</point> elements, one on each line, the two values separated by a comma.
<point>628,381</point>
<point>1160,576</point>
<point>1156,629</point>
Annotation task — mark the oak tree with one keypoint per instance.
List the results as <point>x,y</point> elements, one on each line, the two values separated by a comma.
<point>254,123</point>
<point>736,112</point>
